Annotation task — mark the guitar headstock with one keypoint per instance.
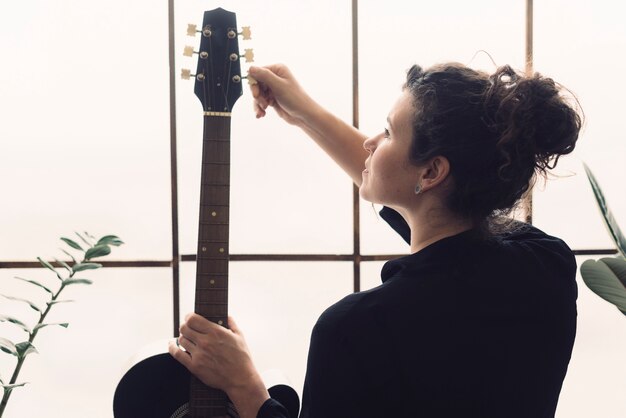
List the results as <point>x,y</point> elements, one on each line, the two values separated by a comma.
<point>218,79</point>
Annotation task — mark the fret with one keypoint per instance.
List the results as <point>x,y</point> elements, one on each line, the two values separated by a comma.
<point>212,311</point>
<point>216,151</point>
<point>215,194</point>
<point>213,232</point>
<point>220,296</point>
<point>212,266</point>
<point>217,173</point>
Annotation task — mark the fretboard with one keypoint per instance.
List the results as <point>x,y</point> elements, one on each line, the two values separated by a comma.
<point>212,259</point>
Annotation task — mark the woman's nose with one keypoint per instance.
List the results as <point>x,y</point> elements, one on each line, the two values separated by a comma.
<point>370,143</point>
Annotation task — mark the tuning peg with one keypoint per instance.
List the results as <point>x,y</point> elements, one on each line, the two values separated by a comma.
<point>185,74</point>
<point>188,52</point>
<point>238,78</point>
<point>245,32</point>
<point>248,55</point>
<point>193,29</point>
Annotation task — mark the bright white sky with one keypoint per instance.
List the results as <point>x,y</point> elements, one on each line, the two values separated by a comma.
<point>84,144</point>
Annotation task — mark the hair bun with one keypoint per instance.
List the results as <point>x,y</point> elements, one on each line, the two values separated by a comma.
<point>533,117</point>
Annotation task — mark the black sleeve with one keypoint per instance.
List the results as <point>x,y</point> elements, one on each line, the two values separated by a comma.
<point>397,222</point>
<point>271,408</point>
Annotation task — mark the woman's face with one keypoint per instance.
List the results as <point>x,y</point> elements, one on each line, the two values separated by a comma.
<point>389,177</point>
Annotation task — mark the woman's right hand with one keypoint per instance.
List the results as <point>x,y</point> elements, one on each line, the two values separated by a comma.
<point>278,88</point>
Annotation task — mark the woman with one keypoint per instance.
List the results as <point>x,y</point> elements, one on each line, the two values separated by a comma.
<point>479,320</point>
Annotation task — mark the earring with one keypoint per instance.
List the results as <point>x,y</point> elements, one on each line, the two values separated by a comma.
<point>418,189</point>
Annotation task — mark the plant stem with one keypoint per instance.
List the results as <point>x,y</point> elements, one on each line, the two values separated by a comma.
<point>20,361</point>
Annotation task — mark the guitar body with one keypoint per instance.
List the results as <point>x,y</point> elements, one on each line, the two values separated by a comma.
<point>158,387</point>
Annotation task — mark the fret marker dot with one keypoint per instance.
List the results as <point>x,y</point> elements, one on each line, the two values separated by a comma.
<point>221,250</point>
<point>213,214</point>
<point>220,322</point>
<point>212,281</point>
<point>203,248</point>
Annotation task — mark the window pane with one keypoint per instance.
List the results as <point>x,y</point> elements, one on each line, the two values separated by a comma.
<point>276,305</point>
<point>77,369</point>
<point>583,55</point>
<point>398,34</point>
<point>287,196</point>
<point>85,127</point>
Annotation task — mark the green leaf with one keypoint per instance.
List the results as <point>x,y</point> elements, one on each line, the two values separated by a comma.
<point>86,266</point>
<point>98,251</point>
<point>607,215</point>
<point>68,282</point>
<point>5,318</point>
<point>600,277</point>
<point>7,346</point>
<point>49,267</point>
<point>54,302</point>
<point>9,388</point>
<point>110,240</point>
<point>70,255</point>
<point>31,304</point>
<point>1,382</point>
<point>25,348</point>
<point>72,243</point>
<point>39,326</point>
<point>83,239</point>
<point>35,283</point>
<point>65,265</point>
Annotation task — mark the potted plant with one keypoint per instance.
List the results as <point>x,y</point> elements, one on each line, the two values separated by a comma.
<point>65,272</point>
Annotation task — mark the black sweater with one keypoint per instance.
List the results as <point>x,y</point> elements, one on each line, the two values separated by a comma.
<point>466,327</point>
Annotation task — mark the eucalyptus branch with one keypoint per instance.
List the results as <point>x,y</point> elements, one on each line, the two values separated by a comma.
<point>21,350</point>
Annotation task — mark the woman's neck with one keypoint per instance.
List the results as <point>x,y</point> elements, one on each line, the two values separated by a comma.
<point>433,225</point>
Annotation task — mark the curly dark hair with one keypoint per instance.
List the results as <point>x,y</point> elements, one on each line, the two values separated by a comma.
<point>498,131</point>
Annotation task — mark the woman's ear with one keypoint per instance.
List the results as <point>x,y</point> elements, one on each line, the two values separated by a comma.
<point>434,172</point>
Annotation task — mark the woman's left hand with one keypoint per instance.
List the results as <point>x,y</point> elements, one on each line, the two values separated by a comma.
<point>219,357</point>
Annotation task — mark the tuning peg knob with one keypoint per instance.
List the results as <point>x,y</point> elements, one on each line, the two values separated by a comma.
<point>188,51</point>
<point>245,33</point>
<point>192,30</point>
<point>249,55</point>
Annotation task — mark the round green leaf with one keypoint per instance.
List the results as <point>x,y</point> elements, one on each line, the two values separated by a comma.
<point>64,264</point>
<point>39,326</point>
<point>36,283</point>
<point>9,388</point>
<point>110,240</point>
<point>70,255</point>
<point>607,215</point>
<point>86,266</point>
<point>5,318</point>
<point>7,346</point>
<point>54,302</point>
<point>72,243</point>
<point>98,251</point>
<point>68,282</point>
<point>25,348</point>
<point>31,304</point>
<point>599,277</point>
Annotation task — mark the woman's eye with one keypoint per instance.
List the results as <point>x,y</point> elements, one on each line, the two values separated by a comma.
<point>386,133</point>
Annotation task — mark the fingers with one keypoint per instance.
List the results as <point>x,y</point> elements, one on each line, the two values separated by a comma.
<point>270,75</point>
<point>181,356</point>
<point>233,326</point>
<point>190,334</point>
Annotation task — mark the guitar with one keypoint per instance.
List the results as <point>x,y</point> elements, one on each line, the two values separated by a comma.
<point>159,386</point>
